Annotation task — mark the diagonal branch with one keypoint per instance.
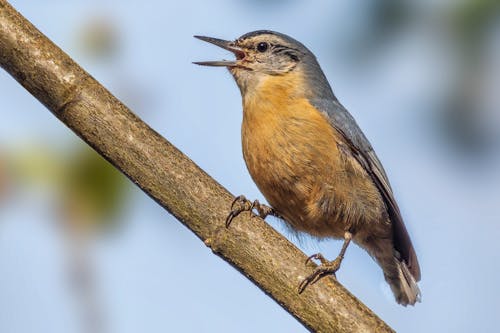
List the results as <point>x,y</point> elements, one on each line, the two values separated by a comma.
<point>174,181</point>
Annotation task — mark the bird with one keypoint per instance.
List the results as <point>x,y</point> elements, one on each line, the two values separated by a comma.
<point>311,161</point>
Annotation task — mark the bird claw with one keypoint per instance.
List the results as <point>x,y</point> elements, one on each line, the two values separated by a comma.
<point>241,204</point>
<point>326,268</point>
<point>263,210</point>
<point>317,256</point>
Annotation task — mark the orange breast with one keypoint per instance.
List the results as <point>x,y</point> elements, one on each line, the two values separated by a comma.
<point>292,153</point>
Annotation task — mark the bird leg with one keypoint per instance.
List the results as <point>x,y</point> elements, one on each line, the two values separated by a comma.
<point>264,210</point>
<point>326,267</point>
<point>241,204</point>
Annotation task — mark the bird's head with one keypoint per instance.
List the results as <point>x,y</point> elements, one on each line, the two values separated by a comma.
<point>260,54</point>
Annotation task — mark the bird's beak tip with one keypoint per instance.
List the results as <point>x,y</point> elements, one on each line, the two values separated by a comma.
<point>217,63</point>
<point>225,44</point>
<point>200,37</point>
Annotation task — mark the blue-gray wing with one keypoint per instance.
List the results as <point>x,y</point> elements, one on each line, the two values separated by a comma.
<point>362,151</point>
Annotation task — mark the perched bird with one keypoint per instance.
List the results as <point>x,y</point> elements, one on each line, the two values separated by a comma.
<point>311,161</point>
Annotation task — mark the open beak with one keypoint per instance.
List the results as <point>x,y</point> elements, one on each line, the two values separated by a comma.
<point>227,45</point>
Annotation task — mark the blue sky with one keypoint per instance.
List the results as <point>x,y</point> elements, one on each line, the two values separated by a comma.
<point>153,275</point>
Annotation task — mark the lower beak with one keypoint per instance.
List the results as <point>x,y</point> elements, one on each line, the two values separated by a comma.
<point>227,45</point>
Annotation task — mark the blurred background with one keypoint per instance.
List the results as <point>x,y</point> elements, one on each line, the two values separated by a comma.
<point>83,250</point>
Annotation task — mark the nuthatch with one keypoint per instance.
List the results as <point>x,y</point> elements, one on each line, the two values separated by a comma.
<point>311,161</point>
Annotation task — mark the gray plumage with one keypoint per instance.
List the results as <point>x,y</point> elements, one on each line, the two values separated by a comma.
<point>311,160</point>
<point>322,97</point>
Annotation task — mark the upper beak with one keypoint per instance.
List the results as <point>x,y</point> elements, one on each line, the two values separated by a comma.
<point>225,44</point>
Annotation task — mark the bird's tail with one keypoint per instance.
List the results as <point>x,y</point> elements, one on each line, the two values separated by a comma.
<point>396,272</point>
<point>401,281</point>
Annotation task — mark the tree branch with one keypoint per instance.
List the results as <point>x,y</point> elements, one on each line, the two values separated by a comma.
<point>174,181</point>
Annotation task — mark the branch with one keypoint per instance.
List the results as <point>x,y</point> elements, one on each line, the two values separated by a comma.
<point>174,181</point>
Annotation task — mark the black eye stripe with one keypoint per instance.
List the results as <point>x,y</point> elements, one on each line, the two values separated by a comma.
<point>292,55</point>
<point>290,52</point>
<point>279,48</point>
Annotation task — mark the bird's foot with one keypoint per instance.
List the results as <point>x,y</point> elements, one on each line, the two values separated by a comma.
<point>241,204</point>
<point>263,210</point>
<point>325,268</point>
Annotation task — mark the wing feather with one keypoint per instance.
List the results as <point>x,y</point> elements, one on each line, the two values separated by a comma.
<point>362,150</point>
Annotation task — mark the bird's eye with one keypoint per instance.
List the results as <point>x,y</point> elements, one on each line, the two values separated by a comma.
<point>262,47</point>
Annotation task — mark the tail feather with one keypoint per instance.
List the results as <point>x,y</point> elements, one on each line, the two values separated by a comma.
<point>400,277</point>
<point>403,284</point>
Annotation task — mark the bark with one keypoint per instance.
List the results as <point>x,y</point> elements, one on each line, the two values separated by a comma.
<point>170,178</point>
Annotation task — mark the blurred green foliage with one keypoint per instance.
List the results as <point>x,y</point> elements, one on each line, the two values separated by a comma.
<point>4,180</point>
<point>463,116</point>
<point>93,190</point>
<point>89,192</point>
<point>472,18</point>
